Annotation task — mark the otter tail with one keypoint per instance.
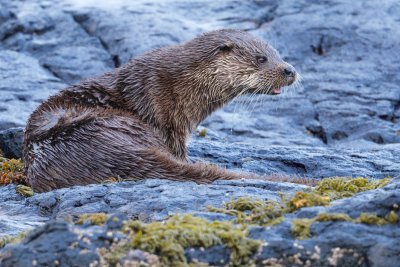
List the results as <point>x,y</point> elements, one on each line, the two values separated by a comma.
<point>173,169</point>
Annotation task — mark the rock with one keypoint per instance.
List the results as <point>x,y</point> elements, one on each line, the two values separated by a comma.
<point>17,217</point>
<point>45,246</point>
<point>302,161</point>
<point>343,243</point>
<point>332,242</point>
<point>11,142</point>
<point>214,256</point>
<point>24,85</point>
<point>59,42</point>
<point>138,257</point>
<point>148,200</point>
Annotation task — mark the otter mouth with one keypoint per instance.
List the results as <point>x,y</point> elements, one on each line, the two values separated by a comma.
<point>276,91</point>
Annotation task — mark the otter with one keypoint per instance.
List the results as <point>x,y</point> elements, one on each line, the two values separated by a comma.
<point>134,122</point>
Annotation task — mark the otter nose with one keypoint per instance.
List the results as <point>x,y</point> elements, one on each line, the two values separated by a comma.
<point>289,71</point>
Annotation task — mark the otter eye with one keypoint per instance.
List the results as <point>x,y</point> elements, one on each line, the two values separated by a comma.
<point>262,59</point>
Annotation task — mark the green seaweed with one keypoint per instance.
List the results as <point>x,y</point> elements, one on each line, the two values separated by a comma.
<point>11,171</point>
<point>268,212</point>
<point>24,190</point>
<point>202,132</point>
<point>392,217</point>
<point>325,217</point>
<point>93,218</point>
<point>371,219</point>
<point>307,199</point>
<point>253,211</point>
<point>341,187</point>
<point>170,238</point>
<point>301,227</point>
<point>12,239</point>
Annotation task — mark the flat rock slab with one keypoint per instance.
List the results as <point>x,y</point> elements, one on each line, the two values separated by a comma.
<point>333,243</point>
<point>147,200</point>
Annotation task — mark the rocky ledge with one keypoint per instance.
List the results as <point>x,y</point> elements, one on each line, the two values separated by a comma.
<point>343,222</point>
<point>343,121</point>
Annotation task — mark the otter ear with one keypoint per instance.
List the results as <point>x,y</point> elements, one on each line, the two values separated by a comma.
<point>226,47</point>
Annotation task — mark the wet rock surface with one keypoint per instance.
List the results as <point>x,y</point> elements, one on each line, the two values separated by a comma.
<point>343,121</point>
<point>146,200</point>
<point>342,243</point>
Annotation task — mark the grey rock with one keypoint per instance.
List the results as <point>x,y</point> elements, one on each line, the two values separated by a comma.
<point>300,161</point>
<point>146,200</point>
<point>24,85</point>
<point>11,142</point>
<point>362,245</point>
<point>54,244</point>
<point>214,256</point>
<point>340,243</point>
<point>137,256</point>
<point>59,42</point>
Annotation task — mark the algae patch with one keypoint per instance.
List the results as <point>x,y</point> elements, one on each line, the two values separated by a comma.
<point>24,190</point>
<point>341,187</point>
<point>170,238</point>
<point>202,132</point>
<point>94,218</point>
<point>268,212</point>
<point>12,239</point>
<point>301,228</point>
<point>307,199</point>
<point>11,171</point>
<point>253,211</point>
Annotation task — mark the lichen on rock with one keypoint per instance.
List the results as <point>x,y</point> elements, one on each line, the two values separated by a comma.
<point>340,187</point>
<point>268,212</point>
<point>11,171</point>
<point>170,238</point>
<point>301,228</point>
<point>93,219</point>
<point>12,239</point>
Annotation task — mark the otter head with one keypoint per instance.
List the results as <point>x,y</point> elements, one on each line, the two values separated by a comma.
<point>244,64</point>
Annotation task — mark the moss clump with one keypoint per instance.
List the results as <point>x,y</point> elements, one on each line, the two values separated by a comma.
<point>253,211</point>
<point>170,238</point>
<point>326,217</point>
<point>12,239</point>
<point>372,219</point>
<point>301,227</point>
<point>11,171</point>
<point>340,187</point>
<point>268,212</point>
<point>115,253</point>
<point>244,204</point>
<point>392,217</point>
<point>202,132</point>
<point>94,218</point>
<point>24,190</point>
<point>307,199</point>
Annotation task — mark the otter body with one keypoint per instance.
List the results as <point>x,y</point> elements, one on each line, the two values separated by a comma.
<point>134,121</point>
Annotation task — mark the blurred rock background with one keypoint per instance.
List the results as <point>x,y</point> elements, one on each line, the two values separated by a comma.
<point>347,109</point>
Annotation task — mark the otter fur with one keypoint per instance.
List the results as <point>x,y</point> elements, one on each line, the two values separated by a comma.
<point>134,122</point>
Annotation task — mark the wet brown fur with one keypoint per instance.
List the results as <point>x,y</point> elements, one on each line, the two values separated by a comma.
<point>133,122</point>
